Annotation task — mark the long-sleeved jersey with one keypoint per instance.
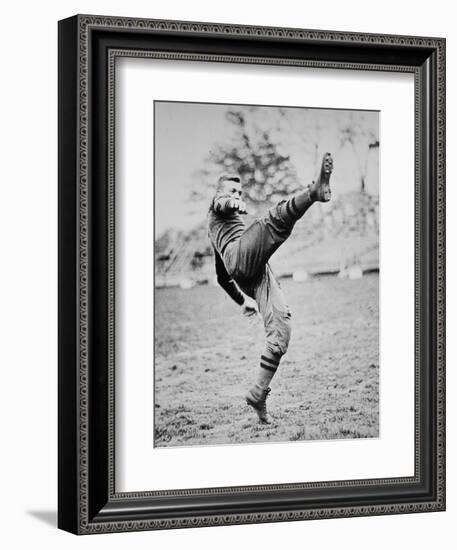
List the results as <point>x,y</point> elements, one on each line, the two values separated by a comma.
<point>226,281</point>
<point>224,223</point>
<point>224,226</point>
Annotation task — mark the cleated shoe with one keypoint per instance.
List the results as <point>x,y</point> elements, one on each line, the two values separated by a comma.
<point>320,189</point>
<point>256,398</point>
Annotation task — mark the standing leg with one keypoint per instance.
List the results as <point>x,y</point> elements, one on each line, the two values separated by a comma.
<point>277,321</point>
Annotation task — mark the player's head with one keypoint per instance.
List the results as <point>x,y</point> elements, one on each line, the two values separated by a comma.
<point>230,184</point>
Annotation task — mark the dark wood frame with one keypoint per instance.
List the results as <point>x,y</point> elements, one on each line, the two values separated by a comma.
<point>88,46</point>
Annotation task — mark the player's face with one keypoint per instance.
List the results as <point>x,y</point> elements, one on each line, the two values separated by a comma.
<point>233,188</point>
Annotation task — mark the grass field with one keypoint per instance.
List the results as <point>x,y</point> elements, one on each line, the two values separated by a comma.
<point>206,353</point>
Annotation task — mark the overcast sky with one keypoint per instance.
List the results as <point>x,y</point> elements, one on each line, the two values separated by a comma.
<point>184,135</point>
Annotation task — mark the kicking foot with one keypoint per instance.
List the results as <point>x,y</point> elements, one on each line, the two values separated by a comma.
<point>256,398</point>
<point>320,189</point>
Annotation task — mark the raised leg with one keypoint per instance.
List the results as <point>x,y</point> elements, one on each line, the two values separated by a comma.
<point>246,258</point>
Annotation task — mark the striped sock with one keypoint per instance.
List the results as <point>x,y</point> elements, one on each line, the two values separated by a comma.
<point>301,202</point>
<point>294,208</point>
<point>267,369</point>
<point>269,363</point>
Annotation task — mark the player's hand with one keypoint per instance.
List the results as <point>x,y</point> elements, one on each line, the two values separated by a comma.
<point>237,204</point>
<point>242,207</point>
<point>249,308</point>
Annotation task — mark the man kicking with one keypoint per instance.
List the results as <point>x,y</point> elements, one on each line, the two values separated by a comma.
<point>242,268</point>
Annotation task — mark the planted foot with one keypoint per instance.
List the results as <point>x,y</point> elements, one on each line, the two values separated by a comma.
<point>257,400</point>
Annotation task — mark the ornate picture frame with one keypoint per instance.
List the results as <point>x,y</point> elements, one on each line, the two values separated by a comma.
<point>88,48</point>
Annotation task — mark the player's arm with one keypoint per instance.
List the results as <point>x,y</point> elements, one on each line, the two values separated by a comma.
<point>226,282</point>
<point>223,204</point>
<point>248,305</point>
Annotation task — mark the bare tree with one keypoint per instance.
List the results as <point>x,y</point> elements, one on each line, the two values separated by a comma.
<point>257,153</point>
<point>354,133</point>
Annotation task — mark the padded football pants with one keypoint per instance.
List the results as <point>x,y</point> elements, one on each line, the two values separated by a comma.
<point>246,259</point>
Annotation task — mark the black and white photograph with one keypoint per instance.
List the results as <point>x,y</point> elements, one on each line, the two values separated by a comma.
<point>225,299</point>
<point>266,274</point>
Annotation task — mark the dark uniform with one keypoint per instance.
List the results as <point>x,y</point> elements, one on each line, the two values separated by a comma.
<point>242,255</point>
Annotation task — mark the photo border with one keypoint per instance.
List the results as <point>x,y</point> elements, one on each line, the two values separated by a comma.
<point>88,47</point>
<point>155,132</point>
